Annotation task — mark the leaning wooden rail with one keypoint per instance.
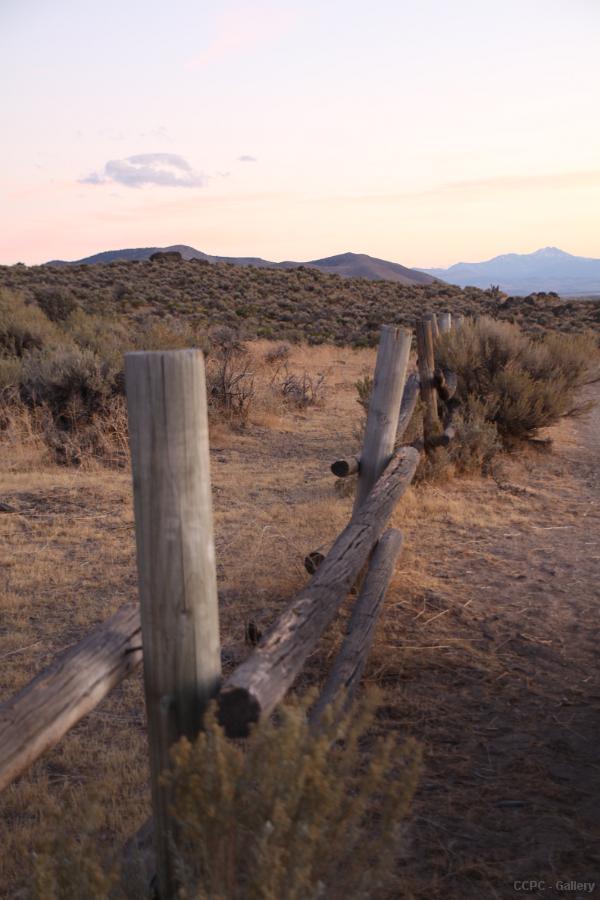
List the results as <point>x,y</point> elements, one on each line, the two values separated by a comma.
<point>260,683</point>
<point>36,718</point>
<point>346,672</point>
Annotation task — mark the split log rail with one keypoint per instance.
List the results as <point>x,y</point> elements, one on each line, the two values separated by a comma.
<point>175,629</point>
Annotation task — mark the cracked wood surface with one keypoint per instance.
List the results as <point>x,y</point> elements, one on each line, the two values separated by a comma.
<point>36,718</point>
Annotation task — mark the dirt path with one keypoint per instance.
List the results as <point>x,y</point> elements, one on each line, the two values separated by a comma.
<point>511,716</point>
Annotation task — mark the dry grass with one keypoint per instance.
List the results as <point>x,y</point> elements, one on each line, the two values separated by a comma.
<point>483,641</point>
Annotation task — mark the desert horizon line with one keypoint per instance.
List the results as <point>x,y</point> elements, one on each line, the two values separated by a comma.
<point>292,258</point>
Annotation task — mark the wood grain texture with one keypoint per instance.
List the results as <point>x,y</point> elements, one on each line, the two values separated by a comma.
<point>36,718</point>
<point>445,383</point>
<point>384,408</point>
<point>410,396</point>
<point>347,669</point>
<point>445,322</point>
<point>168,433</point>
<point>426,363</point>
<point>261,682</point>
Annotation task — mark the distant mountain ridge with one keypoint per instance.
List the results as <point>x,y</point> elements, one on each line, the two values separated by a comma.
<point>548,269</point>
<point>350,265</point>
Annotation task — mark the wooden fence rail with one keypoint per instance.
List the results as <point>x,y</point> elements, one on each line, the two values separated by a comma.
<point>259,683</point>
<point>177,621</point>
<point>36,718</point>
<point>350,662</point>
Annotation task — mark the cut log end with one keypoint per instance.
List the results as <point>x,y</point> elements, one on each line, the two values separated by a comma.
<point>344,467</point>
<point>313,561</point>
<point>238,711</point>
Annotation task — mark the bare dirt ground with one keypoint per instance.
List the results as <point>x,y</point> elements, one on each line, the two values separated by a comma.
<point>510,713</point>
<point>487,649</point>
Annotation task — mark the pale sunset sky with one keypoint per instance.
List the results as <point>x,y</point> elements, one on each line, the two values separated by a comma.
<point>423,132</point>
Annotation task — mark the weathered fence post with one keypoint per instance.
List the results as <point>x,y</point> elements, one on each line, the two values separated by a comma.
<point>168,433</point>
<point>445,322</point>
<point>459,321</point>
<point>435,328</point>
<point>426,362</point>
<point>384,407</point>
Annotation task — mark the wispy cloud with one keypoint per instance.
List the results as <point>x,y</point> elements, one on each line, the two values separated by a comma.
<point>163,169</point>
<point>245,157</point>
<point>481,187</point>
<point>243,27</point>
<point>551,180</point>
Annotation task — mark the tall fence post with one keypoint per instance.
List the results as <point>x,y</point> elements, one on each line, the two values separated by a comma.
<point>384,407</point>
<point>445,322</point>
<point>426,362</point>
<point>168,433</point>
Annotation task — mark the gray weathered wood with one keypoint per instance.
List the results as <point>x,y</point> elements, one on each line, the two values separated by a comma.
<point>36,718</point>
<point>445,322</point>
<point>168,433</point>
<point>435,328</point>
<point>444,438</point>
<point>410,396</point>
<point>350,466</point>
<point>384,408</point>
<point>458,322</point>
<point>344,467</point>
<point>349,664</point>
<point>426,363</point>
<point>446,383</point>
<point>313,560</point>
<point>259,683</point>
<point>440,440</point>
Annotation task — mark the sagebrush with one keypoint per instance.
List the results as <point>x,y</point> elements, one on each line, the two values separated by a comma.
<point>289,815</point>
<point>62,377</point>
<point>517,383</point>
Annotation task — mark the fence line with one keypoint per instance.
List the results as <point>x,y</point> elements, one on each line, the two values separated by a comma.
<point>178,614</point>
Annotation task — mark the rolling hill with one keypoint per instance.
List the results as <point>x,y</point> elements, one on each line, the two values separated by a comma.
<point>350,265</point>
<point>548,269</point>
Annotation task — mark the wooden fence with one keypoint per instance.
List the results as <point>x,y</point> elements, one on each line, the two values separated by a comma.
<point>177,621</point>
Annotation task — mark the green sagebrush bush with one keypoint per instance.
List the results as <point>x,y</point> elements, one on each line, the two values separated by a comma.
<point>23,327</point>
<point>73,384</point>
<point>476,441</point>
<point>108,338</point>
<point>521,384</point>
<point>56,302</point>
<point>76,401</point>
<point>288,815</point>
